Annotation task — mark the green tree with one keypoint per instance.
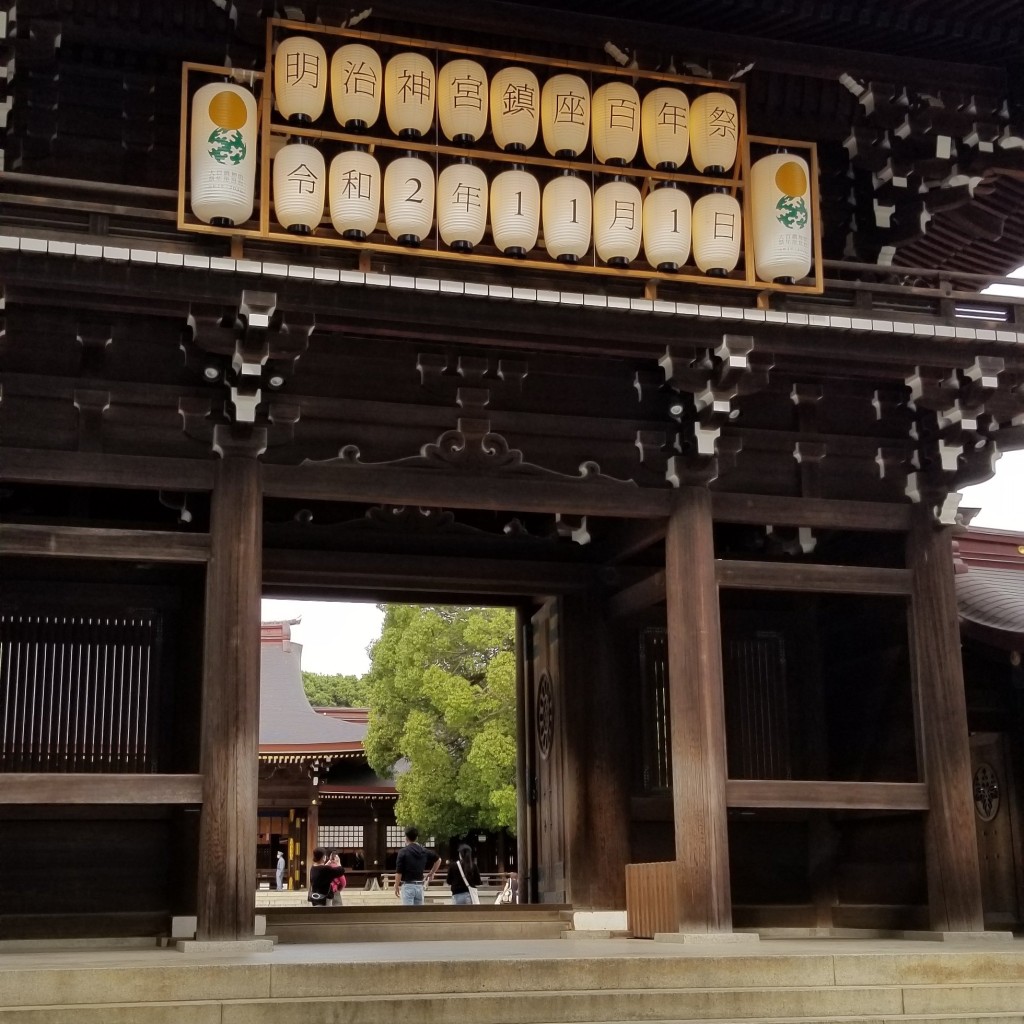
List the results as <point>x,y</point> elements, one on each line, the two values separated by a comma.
<point>443,697</point>
<point>336,691</point>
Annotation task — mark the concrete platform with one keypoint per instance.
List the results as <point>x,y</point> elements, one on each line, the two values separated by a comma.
<point>523,982</point>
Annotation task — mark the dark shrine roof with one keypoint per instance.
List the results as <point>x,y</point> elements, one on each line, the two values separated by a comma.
<point>990,586</point>
<point>287,721</point>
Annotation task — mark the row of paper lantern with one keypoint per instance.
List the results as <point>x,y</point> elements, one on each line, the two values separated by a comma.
<point>223,173</point>
<point>514,102</point>
<point>615,216</point>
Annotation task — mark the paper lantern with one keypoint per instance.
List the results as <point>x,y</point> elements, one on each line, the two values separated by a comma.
<point>357,80</point>
<point>615,114</point>
<point>664,125</point>
<point>515,109</point>
<point>515,211</point>
<point>408,199</point>
<point>300,79</point>
<point>565,115</point>
<point>714,132</point>
<point>717,231</point>
<point>354,194</point>
<point>223,154</point>
<point>409,94</point>
<point>667,216</point>
<point>618,222</point>
<point>567,215</point>
<point>462,101</point>
<point>300,184</point>
<point>780,201</point>
<point>461,206</point>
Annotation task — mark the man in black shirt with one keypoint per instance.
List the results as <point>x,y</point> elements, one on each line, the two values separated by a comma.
<point>413,860</point>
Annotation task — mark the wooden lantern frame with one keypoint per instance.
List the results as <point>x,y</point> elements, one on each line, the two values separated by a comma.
<point>493,159</point>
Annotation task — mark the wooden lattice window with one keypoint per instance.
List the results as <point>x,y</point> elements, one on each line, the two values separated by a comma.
<point>657,749</point>
<point>78,692</point>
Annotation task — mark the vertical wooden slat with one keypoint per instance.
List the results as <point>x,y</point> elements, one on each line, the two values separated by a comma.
<point>697,716</point>
<point>132,698</point>
<point>951,849</point>
<point>6,675</point>
<point>145,679</point>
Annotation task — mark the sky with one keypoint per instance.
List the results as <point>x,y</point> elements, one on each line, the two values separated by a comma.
<point>335,634</point>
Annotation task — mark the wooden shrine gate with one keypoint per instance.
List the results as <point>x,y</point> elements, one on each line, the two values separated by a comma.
<point>723,505</point>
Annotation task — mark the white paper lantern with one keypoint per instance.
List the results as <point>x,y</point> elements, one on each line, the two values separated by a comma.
<point>462,206</point>
<point>780,200</point>
<point>567,216</point>
<point>300,79</point>
<point>618,222</point>
<point>714,132</point>
<point>515,109</point>
<point>615,114</point>
<point>354,194</point>
<point>462,101</point>
<point>665,126</point>
<point>565,115</point>
<point>409,94</point>
<point>357,81</point>
<point>717,232</point>
<point>300,185</point>
<point>667,216</point>
<point>222,154</point>
<point>515,211</point>
<point>408,199</point>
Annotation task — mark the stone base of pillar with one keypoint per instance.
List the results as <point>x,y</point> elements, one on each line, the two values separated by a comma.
<point>707,938</point>
<point>225,947</point>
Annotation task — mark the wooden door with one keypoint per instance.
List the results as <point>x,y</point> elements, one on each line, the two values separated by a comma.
<point>995,818</point>
<point>546,740</point>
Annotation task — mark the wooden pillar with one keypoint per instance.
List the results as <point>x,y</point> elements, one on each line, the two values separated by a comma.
<point>524,775</point>
<point>311,840</point>
<point>231,699</point>
<point>944,755</point>
<point>697,716</point>
<point>596,781</point>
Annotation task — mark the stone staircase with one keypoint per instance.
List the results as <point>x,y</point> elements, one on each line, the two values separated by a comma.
<point>535,982</point>
<point>434,922</point>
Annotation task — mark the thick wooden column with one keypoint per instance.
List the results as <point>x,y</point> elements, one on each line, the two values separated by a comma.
<point>697,716</point>
<point>944,755</point>
<point>596,705</point>
<point>231,702</point>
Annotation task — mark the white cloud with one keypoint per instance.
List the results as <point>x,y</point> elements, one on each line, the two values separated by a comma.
<point>334,634</point>
<point>1000,499</point>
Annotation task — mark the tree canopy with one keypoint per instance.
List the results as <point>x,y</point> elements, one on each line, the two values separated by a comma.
<point>336,691</point>
<point>443,697</point>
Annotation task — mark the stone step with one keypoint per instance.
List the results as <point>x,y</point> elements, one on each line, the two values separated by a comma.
<point>397,924</point>
<point>347,930</point>
<point>923,983</point>
<point>866,1005</point>
<point>433,912</point>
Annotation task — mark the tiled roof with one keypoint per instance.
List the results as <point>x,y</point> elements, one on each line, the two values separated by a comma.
<point>285,714</point>
<point>993,600</point>
<point>990,586</point>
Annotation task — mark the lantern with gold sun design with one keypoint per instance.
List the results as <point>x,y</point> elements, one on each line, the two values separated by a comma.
<point>223,154</point>
<point>780,217</point>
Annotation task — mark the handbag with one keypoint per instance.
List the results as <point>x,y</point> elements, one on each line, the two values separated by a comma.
<point>474,892</point>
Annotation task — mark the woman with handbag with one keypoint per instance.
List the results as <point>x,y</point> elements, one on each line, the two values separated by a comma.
<point>464,878</point>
